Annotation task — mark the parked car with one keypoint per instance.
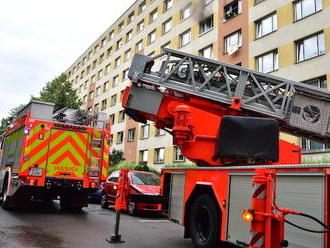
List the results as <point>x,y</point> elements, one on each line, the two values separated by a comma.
<point>144,189</point>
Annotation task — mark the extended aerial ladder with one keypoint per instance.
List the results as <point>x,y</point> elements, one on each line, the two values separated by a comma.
<point>229,117</point>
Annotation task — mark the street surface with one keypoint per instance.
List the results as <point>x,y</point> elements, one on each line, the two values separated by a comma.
<point>46,226</point>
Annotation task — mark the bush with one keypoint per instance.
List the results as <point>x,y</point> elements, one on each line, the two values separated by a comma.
<point>132,166</point>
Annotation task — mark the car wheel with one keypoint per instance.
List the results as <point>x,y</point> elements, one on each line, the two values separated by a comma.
<point>104,201</point>
<point>131,208</point>
<point>204,222</point>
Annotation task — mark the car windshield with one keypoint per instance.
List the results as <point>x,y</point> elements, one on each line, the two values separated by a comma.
<point>144,179</point>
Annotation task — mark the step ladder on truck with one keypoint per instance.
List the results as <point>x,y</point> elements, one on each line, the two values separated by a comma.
<point>250,188</point>
<point>50,155</point>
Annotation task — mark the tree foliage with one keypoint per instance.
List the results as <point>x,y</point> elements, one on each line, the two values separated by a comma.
<point>5,122</point>
<point>116,157</point>
<point>60,92</point>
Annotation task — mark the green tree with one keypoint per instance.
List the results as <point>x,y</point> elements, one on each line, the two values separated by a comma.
<point>5,122</point>
<point>60,92</point>
<point>116,157</point>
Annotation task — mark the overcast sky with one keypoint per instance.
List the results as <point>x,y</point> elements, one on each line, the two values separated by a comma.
<point>40,39</point>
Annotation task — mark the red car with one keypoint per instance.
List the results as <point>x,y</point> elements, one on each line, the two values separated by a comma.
<point>144,189</point>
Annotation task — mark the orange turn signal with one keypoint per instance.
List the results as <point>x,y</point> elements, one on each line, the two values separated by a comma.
<point>247,215</point>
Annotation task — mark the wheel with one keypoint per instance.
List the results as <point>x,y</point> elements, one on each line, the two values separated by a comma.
<point>104,201</point>
<point>5,199</point>
<point>70,202</point>
<point>131,208</point>
<point>204,222</point>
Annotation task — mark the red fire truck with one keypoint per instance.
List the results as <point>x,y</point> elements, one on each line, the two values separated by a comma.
<point>251,189</point>
<point>46,156</point>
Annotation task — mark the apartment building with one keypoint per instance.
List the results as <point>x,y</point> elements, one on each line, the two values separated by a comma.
<point>291,39</point>
<point>147,27</point>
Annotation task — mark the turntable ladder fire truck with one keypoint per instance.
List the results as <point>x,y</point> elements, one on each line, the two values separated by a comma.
<point>227,119</point>
<point>46,156</point>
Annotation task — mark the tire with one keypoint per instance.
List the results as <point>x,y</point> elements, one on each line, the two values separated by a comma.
<point>204,222</point>
<point>69,203</point>
<point>131,209</point>
<point>104,201</point>
<point>5,199</point>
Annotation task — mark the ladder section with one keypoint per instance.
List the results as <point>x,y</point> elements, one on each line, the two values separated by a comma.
<point>301,109</point>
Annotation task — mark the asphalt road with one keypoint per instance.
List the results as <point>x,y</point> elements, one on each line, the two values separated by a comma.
<point>46,226</point>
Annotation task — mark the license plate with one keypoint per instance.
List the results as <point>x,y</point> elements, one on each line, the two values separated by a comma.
<point>35,172</point>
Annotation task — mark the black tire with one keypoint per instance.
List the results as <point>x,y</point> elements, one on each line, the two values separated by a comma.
<point>204,222</point>
<point>104,201</point>
<point>131,208</point>
<point>5,199</point>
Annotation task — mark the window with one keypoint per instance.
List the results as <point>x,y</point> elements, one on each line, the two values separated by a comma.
<point>88,69</point>
<point>131,135</point>
<point>232,9</point>
<point>99,75</point>
<point>206,52</point>
<point>258,1</point>
<point>127,55</point>
<point>120,137</point>
<point>121,116</point>
<point>117,62</point>
<point>142,6</point>
<point>96,108</point>
<point>168,4</point>
<point>167,26</point>
<point>167,45</point>
<point>80,89</point>
<point>206,2</point>
<point>120,26</point>
<point>186,12</point>
<point>233,42</point>
<point>185,38</point>
<point>98,91</point>
<point>266,25</point>
<point>310,47</point>
<point>139,46</point>
<point>113,100</point>
<point>206,24</point>
<point>104,42</point>
<point>309,145</point>
<point>152,37</point>
<point>96,48</point>
<point>101,58</point>
<point>109,51</point>
<point>130,17</point>
<point>129,35</point>
<point>93,79</point>
<point>268,62</point>
<point>151,54</point>
<point>105,87</point>
<point>178,155</point>
<point>145,131</point>
<point>111,35</point>
<point>107,69</point>
<point>85,84</point>
<point>85,99</point>
<point>94,64</point>
<point>303,8</point>
<point>320,82</point>
<point>160,132</point>
<point>115,81</point>
<point>144,156</point>
<point>119,44</point>
<point>125,74</point>
<point>160,155</point>
<point>104,104</point>
<point>112,119</point>
<point>153,16</point>
<point>140,26</point>
<point>91,95</point>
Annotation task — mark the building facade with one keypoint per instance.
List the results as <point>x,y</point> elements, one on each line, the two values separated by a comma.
<point>147,27</point>
<point>291,39</point>
<point>285,38</point>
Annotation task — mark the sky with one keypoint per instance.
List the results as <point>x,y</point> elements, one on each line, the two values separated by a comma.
<point>40,39</point>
